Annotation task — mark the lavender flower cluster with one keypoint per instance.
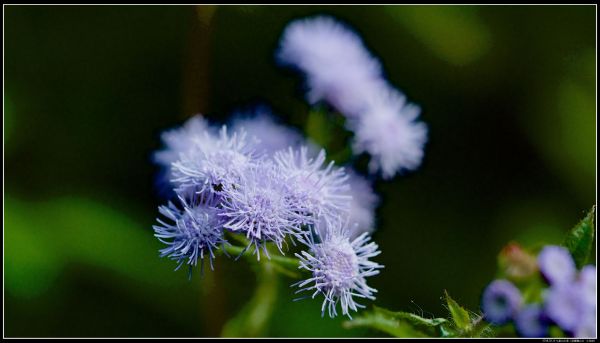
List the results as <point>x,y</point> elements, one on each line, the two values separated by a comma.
<point>340,71</point>
<point>276,189</point>
<point>569,302</point>
<point>263,181</point>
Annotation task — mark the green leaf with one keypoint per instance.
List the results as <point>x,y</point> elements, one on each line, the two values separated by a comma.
<point>459,315</point>
<point>411,317</point>
<point>580,239</point>
<point>380,321</point>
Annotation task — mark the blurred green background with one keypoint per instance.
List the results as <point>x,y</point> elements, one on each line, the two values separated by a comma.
<point>508,93</point>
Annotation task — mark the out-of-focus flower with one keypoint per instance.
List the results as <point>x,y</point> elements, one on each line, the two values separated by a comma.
<point>319,190</point>
<point>587,282</point>
<point>530,321</point>
<point>500,301</point>
<point>564,305</point>
<point>195,232</point>
<point>339,268</point>
<point>517,263</point>
<point>556,265</point>
<point>390,133</point>
<point>195,131</point>
<point>587,326</point>
<point>337,65</point>
<point>259,207</point>
<point>363,204</point>
<point>177,141</point>
<point>271,135</point>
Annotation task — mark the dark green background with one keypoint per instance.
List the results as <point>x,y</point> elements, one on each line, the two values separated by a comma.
<point>508,93</point>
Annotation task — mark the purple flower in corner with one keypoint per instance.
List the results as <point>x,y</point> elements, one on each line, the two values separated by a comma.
<point>500,301</point>
<point>530,321</point>
<point>556,265</point>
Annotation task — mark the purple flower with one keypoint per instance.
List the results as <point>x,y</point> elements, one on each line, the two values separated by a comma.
<point>587,282</point>
<point>500,301</point>
<point>337,65</point>
<point>564,305</point>
<point>259,207</point>
<point>587,326</point>
<point>339,268</point>
<point>390,132</point>
<point>271,136</point>
<point>363,204</point>
<point>530,321</point>
<point>212,164</point>
<point>556,265</point>
<point>194,232</point>
<point>320,190</point>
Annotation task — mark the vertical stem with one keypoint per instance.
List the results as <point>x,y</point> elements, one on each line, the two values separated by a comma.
<point>253,319</point>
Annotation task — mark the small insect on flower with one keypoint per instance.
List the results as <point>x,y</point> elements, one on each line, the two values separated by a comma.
<point>259,206</point>
<point>390,133</point>
<point>195,232</point>
<point>556,265</point>
<point>530,321</point>
<point>208,168</point>
<point>500,301</point>
<point>339,268</point>
<point>321,192</point>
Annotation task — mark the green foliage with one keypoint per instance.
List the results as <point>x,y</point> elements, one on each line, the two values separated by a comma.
<point>580,240</point>
<point>405,324</point>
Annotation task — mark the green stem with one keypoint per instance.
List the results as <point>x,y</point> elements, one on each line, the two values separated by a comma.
<point>253,318</point>
<point>288,262</point>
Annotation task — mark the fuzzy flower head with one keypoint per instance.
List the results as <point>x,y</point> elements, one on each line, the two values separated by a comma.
<point>339,268</point>
<point>208,168</point>
<point>270,135</point>
<point>556,265</point>
<point>500,301</point>
<point>319,190</point>
<point>390,133</point>
<point>336,63</point>
<point>194,232</point>
<point>177,141</point>
<point>258,206</point>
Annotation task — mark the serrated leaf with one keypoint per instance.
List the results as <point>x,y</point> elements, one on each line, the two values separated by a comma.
<point>380,321</point>
<point>411,317</point>
<point>459,315</point>
<point>580,239</point>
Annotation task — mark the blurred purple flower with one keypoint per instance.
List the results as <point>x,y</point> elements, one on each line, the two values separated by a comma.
<point>500,301</point>
<point>565,306</point>
<point>556,265</point>
<point>530,321</point>
<point>271,136</point>
<point>337,65</point>
<point>390,133</point>
<point>363,204</point>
